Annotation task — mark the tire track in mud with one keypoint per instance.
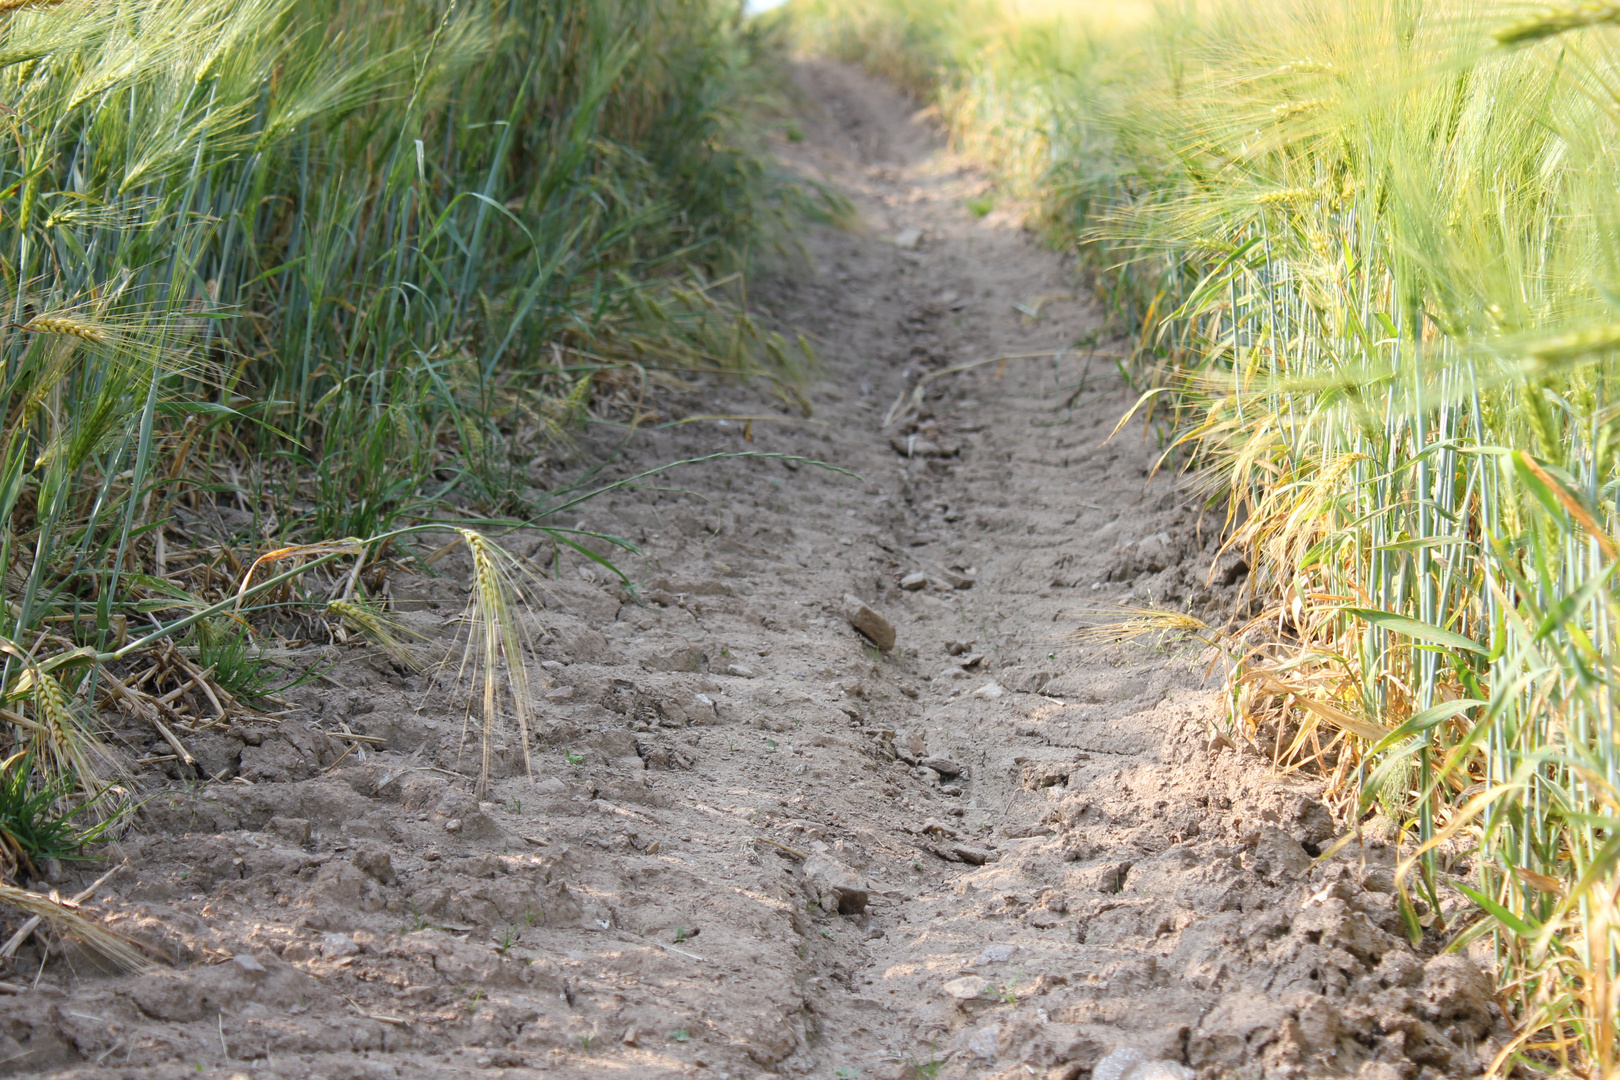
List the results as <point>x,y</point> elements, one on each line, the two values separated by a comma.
<point>758,846</point>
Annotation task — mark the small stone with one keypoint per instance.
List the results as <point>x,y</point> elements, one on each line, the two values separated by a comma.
<point>373,861</point>
<point>453,825</point>
<point>990,690</point>
<point>959,580</point>
<point>741,671</point>
<point>551,786</point>
<point>908,239</point>
<point>944,766</point>
<point>1125,1063</point>
<point>337,946</point>
<point>970,660</point>
<point>969,854</point>
<point>957,648</point>
<point>878,630</point>
<point>910,747</point>
<point>913,582</point>
<point>983,1044</point>
<point>560,693</point>
<point>248,963</point>
<point>834,886</point>
<point>968,988</point>
<point>914,446</point>
<point>995,954</point>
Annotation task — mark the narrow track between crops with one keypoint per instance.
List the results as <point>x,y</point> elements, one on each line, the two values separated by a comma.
<point>761,845</point>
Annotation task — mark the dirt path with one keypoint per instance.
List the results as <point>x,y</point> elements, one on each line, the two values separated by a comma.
<point>759,845</point>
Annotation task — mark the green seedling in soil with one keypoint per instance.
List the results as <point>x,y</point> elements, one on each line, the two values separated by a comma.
<point>680,934</point>
<point>680,1035</point>
<point>981,206</point>
<point>927,1070</point>
<point>33,824</point>
<point>516,806</point>
<point>573,758</point>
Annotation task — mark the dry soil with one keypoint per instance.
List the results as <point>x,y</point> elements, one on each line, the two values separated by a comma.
<point>757,843</point>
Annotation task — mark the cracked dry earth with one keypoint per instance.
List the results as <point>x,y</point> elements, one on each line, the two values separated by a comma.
<point>759,845</point>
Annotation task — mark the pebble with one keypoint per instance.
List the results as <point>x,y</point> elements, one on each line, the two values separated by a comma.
<point>990,690</point>
<point>742,671</point>
<point>944,766</point>
<point>913,446</point>
<point>1124,1063</point>
<point>995,954</point>
<point>834,886</point>
<point>878,630</point>
<point>248,963</point>
<point>908,239</point>
<point>970,854</point>
<point>913,582</point>
<point>337,946</point>
<point>983,1044</point>
<point>374,861</point>
<point>967,988</point>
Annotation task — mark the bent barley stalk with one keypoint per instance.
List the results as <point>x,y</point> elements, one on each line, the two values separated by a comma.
<point>1368,251</point>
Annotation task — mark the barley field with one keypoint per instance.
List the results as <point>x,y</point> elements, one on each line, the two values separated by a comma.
<point>321,277</point>
<point>1366,252</point>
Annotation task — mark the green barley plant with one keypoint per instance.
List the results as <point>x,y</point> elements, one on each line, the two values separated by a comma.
<point>1367,253</point>
<point>305,273</point>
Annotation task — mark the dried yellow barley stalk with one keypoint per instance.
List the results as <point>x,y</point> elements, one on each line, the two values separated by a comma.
<point>495,635</point>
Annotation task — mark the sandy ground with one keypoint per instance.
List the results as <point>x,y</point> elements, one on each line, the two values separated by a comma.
<point>758,844</point>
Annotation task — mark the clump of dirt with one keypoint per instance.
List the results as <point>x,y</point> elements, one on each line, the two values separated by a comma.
<point>757,842</point>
